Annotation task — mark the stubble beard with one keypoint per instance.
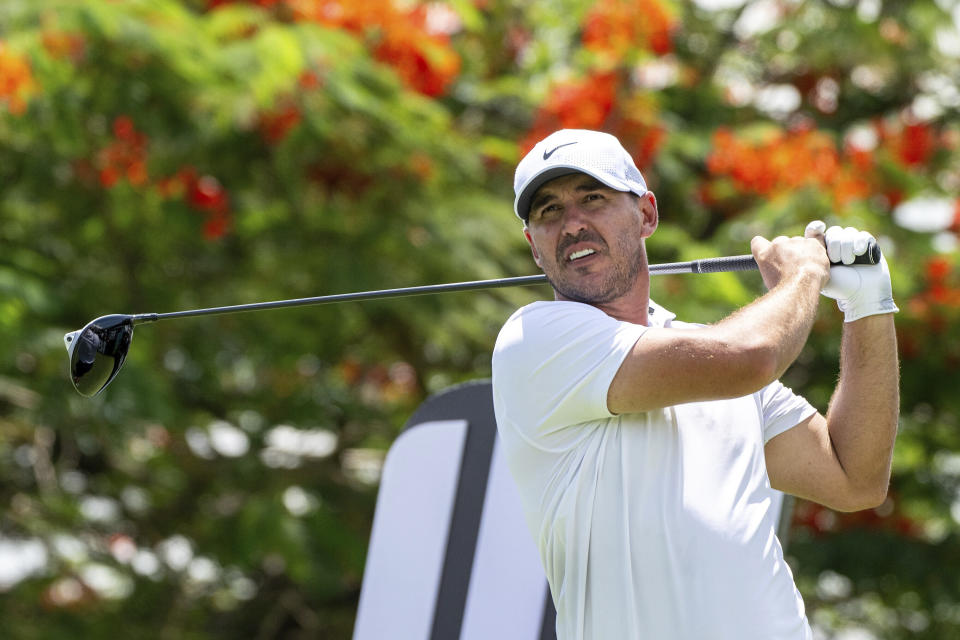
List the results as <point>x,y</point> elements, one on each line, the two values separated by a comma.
<point>616,283</point>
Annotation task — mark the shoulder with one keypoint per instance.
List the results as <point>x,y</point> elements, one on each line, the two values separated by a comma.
<point>546,309</point>
<point>552,366</point>
<point>560,337</point>
<point>547,320</point>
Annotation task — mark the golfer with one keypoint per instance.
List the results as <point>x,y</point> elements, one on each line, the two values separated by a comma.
<point>646,449</point>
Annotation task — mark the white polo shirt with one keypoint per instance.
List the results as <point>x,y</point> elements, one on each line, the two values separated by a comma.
<point>650,525</point>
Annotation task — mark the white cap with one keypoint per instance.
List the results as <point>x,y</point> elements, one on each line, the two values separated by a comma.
<point>569,151</point>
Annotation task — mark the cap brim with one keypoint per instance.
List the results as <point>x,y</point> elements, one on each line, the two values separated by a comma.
<point>521,205</point>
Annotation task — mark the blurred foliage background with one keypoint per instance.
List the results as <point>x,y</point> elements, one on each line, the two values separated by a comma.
<point>158,155</point>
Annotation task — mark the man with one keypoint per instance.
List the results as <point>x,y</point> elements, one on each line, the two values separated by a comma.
<point>645,448</point>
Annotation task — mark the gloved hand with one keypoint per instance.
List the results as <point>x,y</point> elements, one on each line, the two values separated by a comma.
<point>860,290</point>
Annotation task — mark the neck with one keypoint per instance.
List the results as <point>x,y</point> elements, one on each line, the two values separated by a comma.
<point>632,307</point>
<point>634,310</point>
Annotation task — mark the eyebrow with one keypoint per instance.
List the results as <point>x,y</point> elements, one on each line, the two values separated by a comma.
<point>542,197</point>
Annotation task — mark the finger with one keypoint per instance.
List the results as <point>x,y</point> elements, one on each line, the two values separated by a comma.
<point>834,242</point>
<point>846,246</point>
<point>862,242</point>
<point>815,229</point>
<point>758,245</point>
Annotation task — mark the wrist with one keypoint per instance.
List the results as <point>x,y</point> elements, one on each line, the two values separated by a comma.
<point>870,320</point>
<point>810,275</point>
<point>857,313</point>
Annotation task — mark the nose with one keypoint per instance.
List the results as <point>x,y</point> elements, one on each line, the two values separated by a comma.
<point>574,219</point>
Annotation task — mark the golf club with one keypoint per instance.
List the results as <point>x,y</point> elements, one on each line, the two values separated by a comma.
<point>98,350</point>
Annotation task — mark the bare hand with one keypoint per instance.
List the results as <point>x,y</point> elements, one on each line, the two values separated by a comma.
<point>785,258</point>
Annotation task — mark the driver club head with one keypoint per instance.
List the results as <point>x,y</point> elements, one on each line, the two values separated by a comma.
<point>97,352</point>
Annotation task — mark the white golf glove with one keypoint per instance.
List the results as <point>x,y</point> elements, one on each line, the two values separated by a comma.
<point>860,290</point>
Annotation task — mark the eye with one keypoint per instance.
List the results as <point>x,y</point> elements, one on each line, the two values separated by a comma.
<point>545,211</point>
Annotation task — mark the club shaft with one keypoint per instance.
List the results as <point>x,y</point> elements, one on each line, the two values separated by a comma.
<point>708,265</point>
<point>348,297</point>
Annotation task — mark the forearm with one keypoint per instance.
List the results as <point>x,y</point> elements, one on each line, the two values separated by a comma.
<point>732,358</point>
<point>864,411</point>
<point>779,322</point>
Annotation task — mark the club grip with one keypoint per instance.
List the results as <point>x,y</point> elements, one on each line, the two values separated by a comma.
<point>870,256</point>
<point>727,263</point>
<point>748,263</point>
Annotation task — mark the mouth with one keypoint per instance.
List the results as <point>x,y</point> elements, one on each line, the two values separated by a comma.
<point>581,249</point>
<point>580,255</point>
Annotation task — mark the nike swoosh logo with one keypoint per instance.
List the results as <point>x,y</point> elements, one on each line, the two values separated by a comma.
<point>547,154</point>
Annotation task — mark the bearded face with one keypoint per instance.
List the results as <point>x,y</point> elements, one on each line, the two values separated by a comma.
<point>572,281</point>
<point>588,238</point>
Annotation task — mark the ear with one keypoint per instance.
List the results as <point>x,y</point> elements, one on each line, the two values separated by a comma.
<point>648,209</point>
<point>533,247</point>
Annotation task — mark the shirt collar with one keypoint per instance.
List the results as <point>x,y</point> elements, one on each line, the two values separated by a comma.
<point>657,316</point>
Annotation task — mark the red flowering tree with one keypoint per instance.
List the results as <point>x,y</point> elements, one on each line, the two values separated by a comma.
<point>173,154</point>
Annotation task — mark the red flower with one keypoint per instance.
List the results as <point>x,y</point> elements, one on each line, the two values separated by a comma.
<point>583,103</point>
<point>613,27</point>
<point>202,192</point>
<point>276,124</point>
<point>16,81</point>
<point>398,36</point>
<point>137,173</point>
<point>310,80</point>
<point>206,194</point>
<point>917,144</point>
<point>108,177</point>
<point>937,270</point>
<point>125,157</point>
<point>216,226</point>
<point>425,62</point>
<point>788,160</point>
<point>593,102</point>
<point>123,129</point>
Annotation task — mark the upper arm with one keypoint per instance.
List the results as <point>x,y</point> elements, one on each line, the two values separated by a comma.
<point>675,366</point>
<point>552,366</point>
<point>802,462</point>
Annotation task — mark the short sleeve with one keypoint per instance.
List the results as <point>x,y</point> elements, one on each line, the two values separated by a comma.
<point>781,409</point>
<point>553,364</point>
